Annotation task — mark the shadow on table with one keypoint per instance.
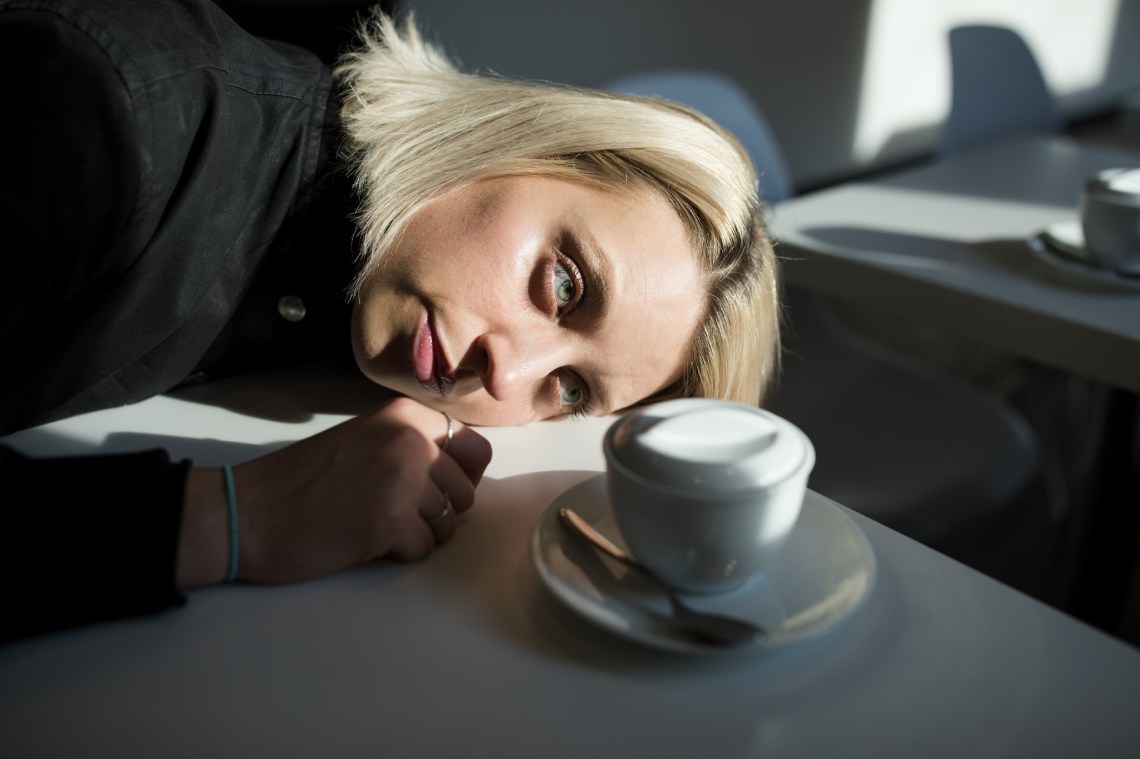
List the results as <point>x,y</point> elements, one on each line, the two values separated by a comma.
<point>294,395</point>
<point>203,451</point>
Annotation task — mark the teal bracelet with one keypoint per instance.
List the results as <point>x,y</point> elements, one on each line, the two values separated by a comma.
<point>231,502</point>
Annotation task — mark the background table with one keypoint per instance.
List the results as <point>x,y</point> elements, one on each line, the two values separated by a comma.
<point>467,654</point>
<point>945,244</point>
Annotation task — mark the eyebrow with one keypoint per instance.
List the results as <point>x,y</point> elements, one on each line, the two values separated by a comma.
<point>598,300</point>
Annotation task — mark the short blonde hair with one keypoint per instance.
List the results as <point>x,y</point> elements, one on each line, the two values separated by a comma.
<point>416,128</point>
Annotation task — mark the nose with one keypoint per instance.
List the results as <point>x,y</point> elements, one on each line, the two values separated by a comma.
<point>513,362</point>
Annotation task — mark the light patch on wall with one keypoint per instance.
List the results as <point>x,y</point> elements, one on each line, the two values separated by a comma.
<point>906,70</point>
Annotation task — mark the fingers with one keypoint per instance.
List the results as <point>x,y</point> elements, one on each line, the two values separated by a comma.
<point>453,481</point>
<point>418,541</point>
<point>444,524</point>
<point>470,450</point>
<point>446,442</point>
<point>445,511</point>
<point>440,462</point>
<point>453,493</point>
<point>362,489</point>
<point>421,525</point>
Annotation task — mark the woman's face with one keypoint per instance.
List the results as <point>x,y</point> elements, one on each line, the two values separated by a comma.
<point>522,298</point>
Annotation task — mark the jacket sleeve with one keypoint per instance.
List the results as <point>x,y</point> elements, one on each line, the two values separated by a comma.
<point>86,539</point>
<point>81,539</point>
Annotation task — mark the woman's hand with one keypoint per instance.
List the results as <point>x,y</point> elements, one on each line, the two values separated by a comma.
<point>373,486</point>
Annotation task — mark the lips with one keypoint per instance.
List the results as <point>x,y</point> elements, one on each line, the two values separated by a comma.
<point>428,362</point>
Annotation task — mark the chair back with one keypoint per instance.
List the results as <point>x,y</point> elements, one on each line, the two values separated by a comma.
<point>722,99</point>
<point>997,89</point>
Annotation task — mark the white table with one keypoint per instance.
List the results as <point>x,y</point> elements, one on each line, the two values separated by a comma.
<point>945,244</point>
<point>467,654</point>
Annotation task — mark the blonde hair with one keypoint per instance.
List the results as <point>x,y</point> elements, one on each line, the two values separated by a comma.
<point>416,128</point>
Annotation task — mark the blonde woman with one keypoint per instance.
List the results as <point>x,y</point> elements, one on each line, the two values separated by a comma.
<point>183,201</point>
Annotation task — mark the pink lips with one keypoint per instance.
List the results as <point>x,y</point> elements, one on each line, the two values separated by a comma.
<point>428,361</point>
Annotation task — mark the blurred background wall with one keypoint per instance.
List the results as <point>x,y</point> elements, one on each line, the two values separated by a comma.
<point>849,86</point>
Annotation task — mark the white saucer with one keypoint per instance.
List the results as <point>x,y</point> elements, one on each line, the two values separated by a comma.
<point>824,573</point>
<point>1062,246</point>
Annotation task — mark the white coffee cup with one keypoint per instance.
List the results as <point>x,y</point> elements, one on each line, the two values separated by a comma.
<point>1110,219</point>
<point>706,492</point>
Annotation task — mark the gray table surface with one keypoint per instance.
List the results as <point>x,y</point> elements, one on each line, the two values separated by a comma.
<point>946,244</point>
<point>468,654</point>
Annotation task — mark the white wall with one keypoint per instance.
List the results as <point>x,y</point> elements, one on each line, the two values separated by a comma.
<point>846,84</point>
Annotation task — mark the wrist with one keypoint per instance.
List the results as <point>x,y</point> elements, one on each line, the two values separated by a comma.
<point>203,544</point>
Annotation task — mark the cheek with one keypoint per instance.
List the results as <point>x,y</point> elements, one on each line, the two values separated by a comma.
<point>491,290</point>
<point>368,319</point>
<point>481,409</point>
<point>358,326</point>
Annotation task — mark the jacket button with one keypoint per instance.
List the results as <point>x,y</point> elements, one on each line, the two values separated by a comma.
<point>291,308</point>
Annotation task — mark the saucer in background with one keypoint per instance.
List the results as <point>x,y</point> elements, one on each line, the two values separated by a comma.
<point>1062,246</point>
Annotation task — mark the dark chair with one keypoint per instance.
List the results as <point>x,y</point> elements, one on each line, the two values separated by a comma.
<point>997,89</point>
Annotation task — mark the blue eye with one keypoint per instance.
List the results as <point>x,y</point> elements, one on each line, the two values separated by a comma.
<point>565,288</point>
<point>569,394</point>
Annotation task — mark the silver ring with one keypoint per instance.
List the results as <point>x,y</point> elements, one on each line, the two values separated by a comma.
<point>445,512</point>
<point>450,432</point>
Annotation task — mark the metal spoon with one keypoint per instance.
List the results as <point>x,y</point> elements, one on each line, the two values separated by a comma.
<point>699,625</point>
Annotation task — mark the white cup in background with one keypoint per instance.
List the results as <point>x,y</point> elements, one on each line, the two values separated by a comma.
<point>1110,219</point>
<point>706,492</point>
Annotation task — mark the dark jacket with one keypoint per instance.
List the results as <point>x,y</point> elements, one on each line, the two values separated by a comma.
<point>168,198</point>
